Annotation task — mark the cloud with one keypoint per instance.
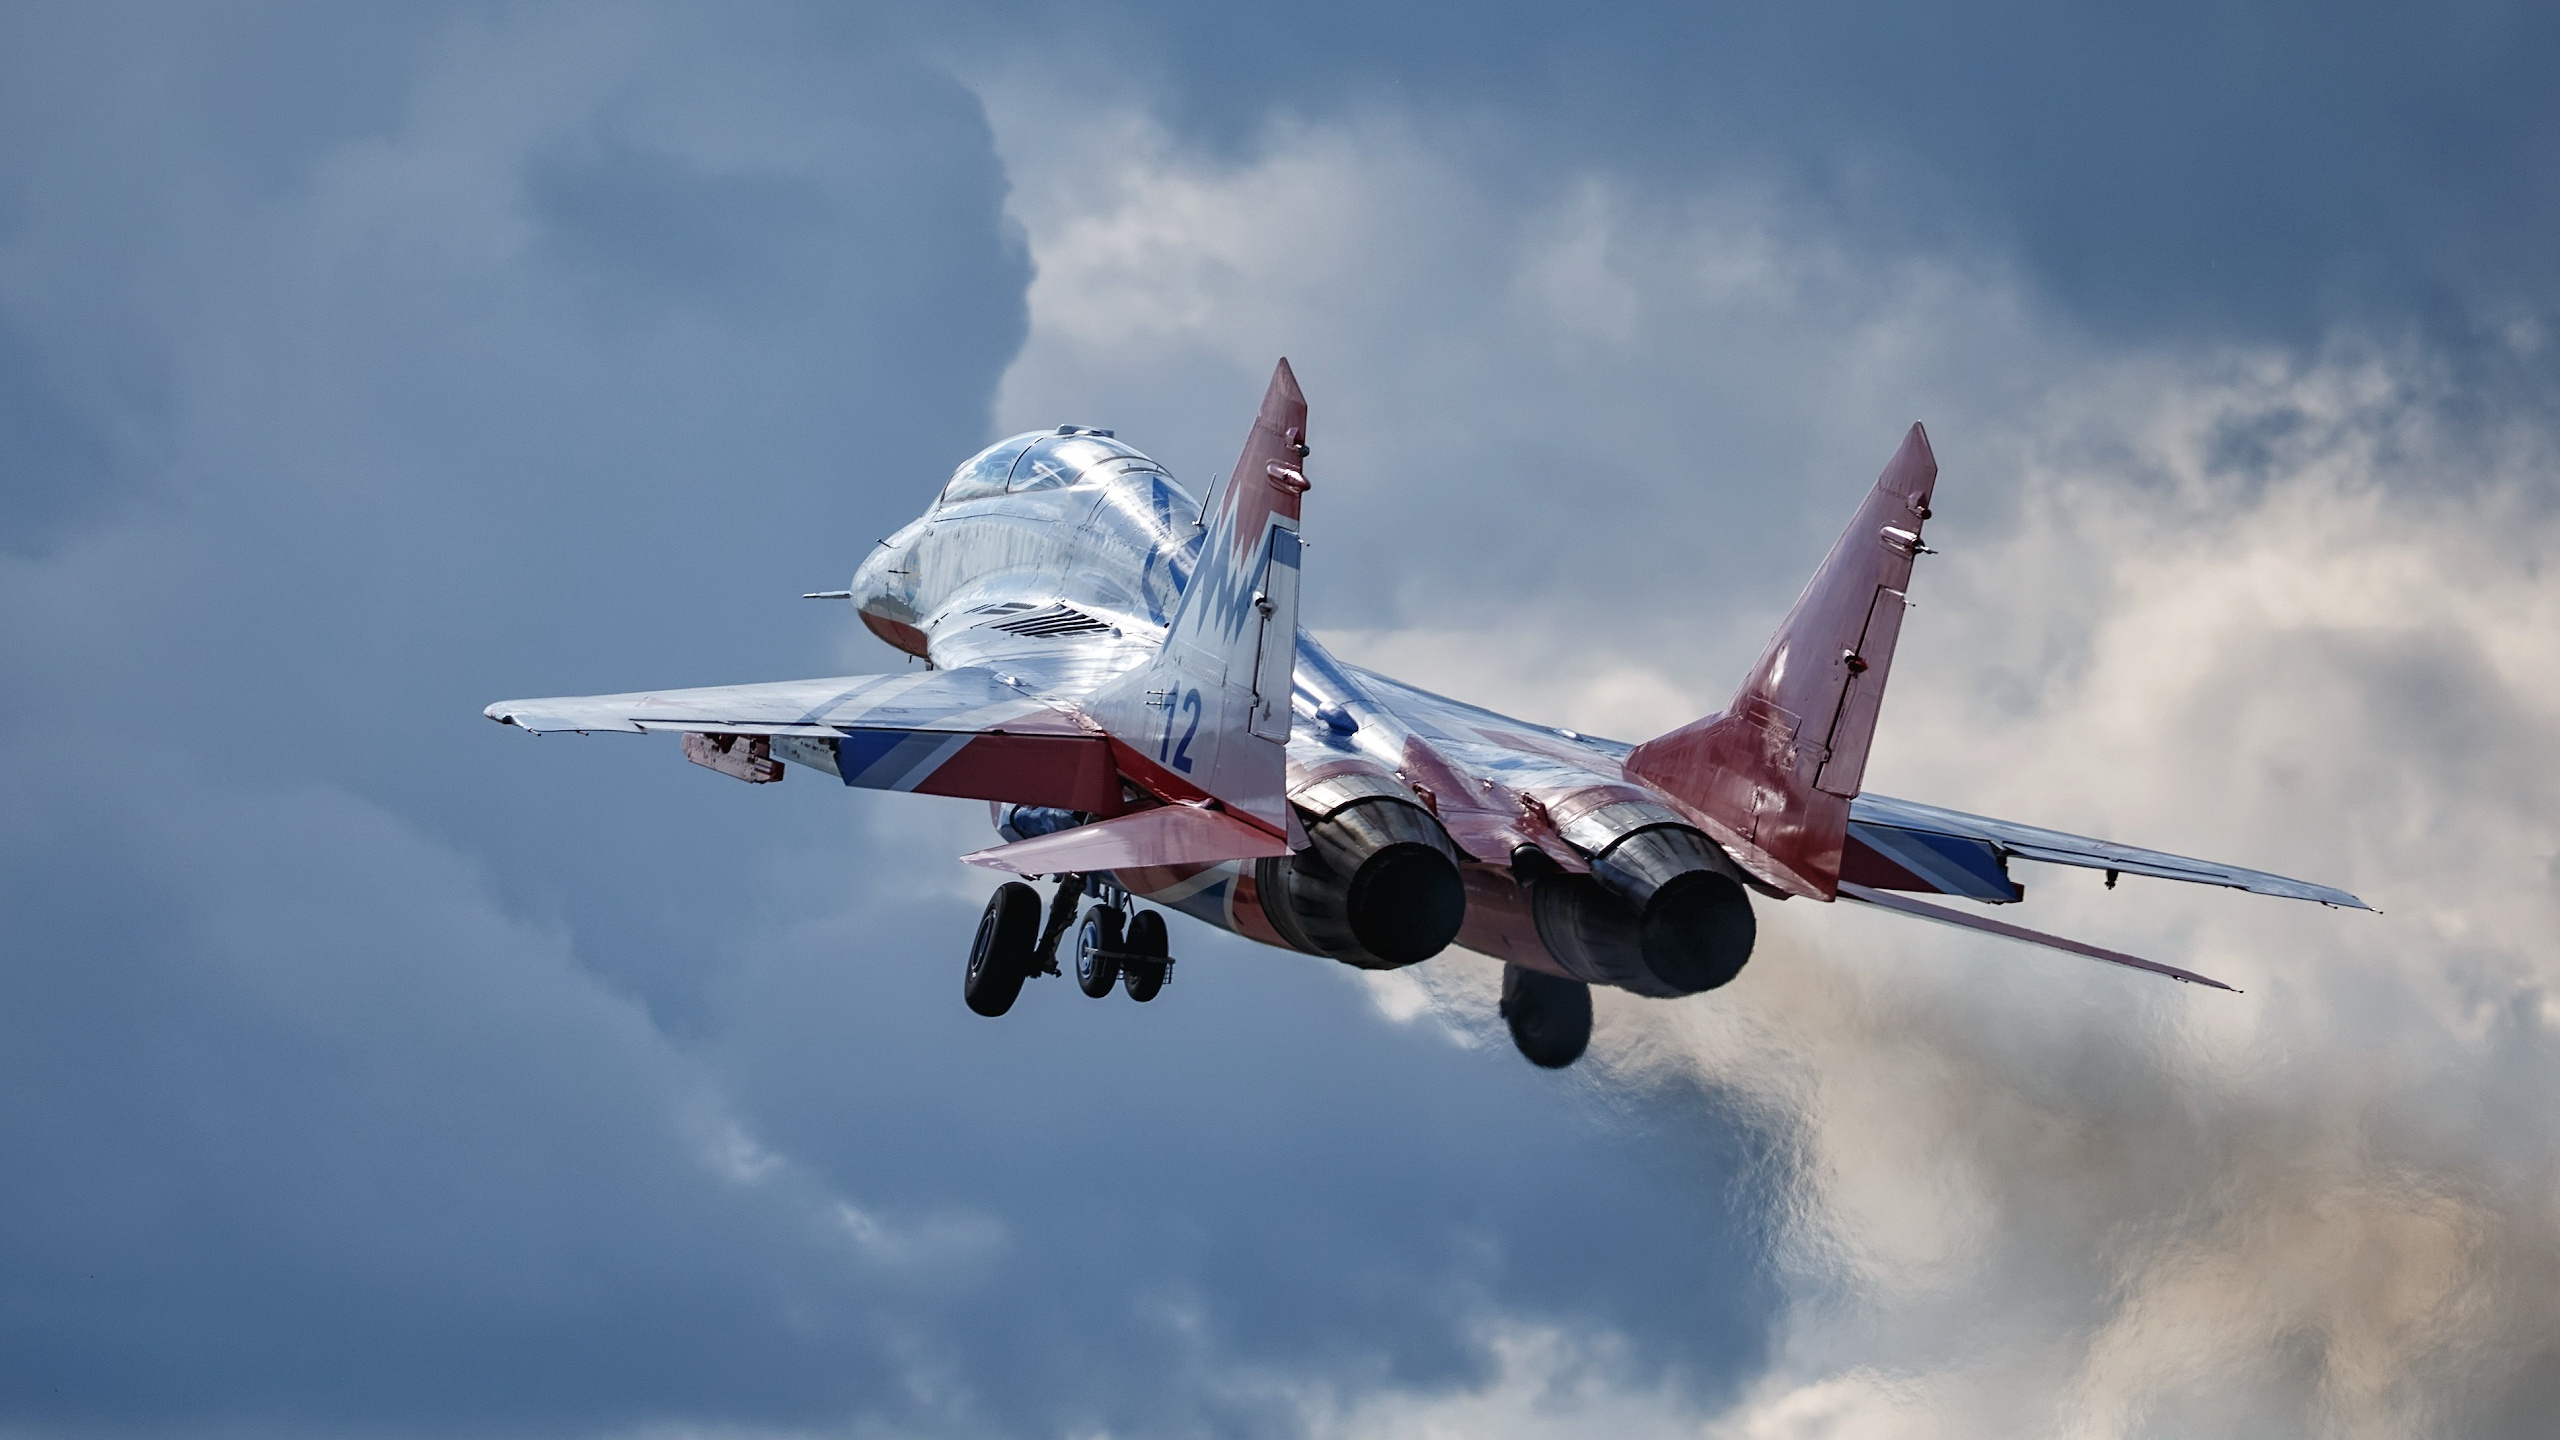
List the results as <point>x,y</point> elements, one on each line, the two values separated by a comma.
<point>2196,170</point>
<point>377,1069</point>
<point>2279,606</point>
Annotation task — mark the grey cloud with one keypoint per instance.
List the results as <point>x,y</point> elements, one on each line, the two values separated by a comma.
<point>2240,600</point>
<point>373,1068</point>
<point>2259,169</point>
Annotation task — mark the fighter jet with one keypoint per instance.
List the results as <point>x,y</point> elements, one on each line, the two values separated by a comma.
<point>1116,667</point>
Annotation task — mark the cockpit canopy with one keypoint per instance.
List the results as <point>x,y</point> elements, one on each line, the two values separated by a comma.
<point>1046,460</point>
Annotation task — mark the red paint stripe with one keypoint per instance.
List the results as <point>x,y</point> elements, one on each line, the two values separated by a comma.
<point>1069,773</point>
<point>1168,786</point>
<point>1863,864</point>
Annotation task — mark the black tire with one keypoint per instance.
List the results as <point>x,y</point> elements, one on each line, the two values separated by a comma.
<point>1000,958</point>
<point>1097,971</point>
<point>1144,978</point>
<point>1550,1017</point>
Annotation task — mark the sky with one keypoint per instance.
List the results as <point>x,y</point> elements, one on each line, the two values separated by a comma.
<point>368,1069</point>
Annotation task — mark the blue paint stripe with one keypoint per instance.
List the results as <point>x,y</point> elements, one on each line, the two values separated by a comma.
<point>890,759</point>
<point>858,752</point>
<point>1954,864</point>
<point>894,769</point>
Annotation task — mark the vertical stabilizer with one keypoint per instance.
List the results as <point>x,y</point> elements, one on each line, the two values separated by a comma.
<point>1209,717</point>
<point>1771,777</point>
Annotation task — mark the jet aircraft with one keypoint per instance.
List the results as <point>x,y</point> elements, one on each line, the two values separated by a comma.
<point>1117,668</point>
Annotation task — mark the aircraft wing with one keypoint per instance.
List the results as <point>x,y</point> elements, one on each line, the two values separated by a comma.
<point>965,699</point>
<point>1953,853</point>
<point>969,732</point>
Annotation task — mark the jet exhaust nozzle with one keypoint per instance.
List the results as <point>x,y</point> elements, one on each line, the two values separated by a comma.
<point>1377,886</point>
<point>1663,913</point>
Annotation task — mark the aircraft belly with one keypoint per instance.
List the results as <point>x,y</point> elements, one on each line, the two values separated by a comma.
<point>1226,895</point>
<point>1501,925</point>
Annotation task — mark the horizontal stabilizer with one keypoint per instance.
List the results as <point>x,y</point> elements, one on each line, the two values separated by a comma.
<point>1988,926</point>
<point>1167,835</point>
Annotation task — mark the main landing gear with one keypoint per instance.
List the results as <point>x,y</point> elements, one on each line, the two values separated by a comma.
<point>1112,945</point>
<point>1549,1016</point>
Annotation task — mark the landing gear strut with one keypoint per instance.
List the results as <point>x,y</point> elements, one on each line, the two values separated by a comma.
<point>1062,913</point>
<point>1550,1017</point>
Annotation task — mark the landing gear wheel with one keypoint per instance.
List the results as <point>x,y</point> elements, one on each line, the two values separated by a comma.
<point>1000,958</point>
<point>1142,978</point>
<point>1549,1016</point>
<point>1097,951</point>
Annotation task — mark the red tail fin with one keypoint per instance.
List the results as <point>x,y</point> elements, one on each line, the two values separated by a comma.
<point>1771,777</point>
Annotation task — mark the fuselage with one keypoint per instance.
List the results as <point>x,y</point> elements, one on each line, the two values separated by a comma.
<point>1061,556</point>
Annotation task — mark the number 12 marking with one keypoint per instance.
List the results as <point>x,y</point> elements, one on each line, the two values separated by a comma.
<point>1180,755</point>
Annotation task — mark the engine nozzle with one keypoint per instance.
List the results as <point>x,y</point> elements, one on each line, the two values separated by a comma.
<point>1662,913</point>
<point>1376,887</point>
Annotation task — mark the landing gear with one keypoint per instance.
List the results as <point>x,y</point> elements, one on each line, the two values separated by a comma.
<point>1550,1017</point>
<point>1112,945</point>
<point>1146,959</point>
<point>1000,959</point>
<point>1098,951</point>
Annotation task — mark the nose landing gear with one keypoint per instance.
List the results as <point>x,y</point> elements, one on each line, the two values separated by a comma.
<point>1113,945</point>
